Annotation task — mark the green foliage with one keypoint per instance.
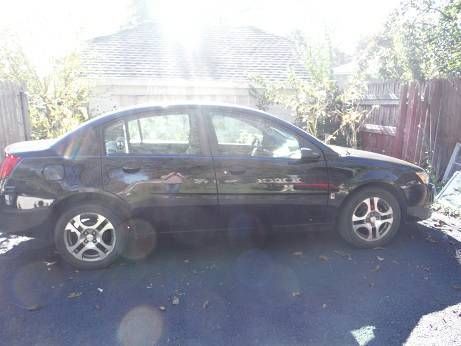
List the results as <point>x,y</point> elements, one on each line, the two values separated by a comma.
<point>57,102</point>
<point>319,105</point>
<point>421,40</point>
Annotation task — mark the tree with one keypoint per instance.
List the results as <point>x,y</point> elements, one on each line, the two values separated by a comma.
<point>421,40</point>
<point>58,101</point>
<point>319,105</point>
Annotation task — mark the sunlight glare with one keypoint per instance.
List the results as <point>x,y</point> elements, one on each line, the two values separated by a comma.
<point>364,335</point>
<point>182,27</point>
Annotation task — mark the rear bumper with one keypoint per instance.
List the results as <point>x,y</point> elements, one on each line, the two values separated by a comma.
<point>423,210</point>
<point>16,221</point>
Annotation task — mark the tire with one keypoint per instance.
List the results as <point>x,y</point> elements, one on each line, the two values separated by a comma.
<point>96,243</point>
<point>365,220</point>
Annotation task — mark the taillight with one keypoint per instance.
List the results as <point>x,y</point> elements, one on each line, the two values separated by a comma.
<point>8,165</point>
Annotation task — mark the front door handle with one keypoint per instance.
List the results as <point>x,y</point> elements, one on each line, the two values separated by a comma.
<point>131,169</point>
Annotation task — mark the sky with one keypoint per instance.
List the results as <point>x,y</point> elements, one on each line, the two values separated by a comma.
<point>49,28</point>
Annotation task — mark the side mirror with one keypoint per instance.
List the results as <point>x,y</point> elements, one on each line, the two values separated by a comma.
<point>308,155</point>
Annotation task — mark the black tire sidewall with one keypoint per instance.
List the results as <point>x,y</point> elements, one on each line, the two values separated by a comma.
<point>89,208</point>
<point>344,225</point>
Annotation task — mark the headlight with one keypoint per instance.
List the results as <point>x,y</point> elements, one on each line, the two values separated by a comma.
<point>423,176</point>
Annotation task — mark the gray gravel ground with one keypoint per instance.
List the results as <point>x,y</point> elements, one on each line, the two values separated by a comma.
<point>301,289</point>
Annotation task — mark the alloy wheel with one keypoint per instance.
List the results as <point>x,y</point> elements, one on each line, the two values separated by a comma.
<point>89,237</point>
<point>372,219</point>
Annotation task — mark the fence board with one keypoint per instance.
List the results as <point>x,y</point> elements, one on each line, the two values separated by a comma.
<point>14,117</point>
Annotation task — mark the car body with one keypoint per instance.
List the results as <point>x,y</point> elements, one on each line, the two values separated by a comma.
<point>195,167</point>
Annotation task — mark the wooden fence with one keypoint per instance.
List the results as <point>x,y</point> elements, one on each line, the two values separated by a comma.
<point>381,104</point>
<point>427,124</point>
<point>14,115</point>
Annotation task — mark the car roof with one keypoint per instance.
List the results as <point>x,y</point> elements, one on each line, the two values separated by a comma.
<point>121,112</point>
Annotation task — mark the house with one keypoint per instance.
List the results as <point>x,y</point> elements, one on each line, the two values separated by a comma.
<point>143,64</point>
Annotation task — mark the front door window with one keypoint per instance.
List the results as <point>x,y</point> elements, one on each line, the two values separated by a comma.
<point>238,136</point>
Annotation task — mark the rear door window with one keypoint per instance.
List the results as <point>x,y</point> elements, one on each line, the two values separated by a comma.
<point>160,134</point>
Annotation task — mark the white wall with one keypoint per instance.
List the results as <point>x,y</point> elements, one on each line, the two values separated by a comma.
<point>115,93</point>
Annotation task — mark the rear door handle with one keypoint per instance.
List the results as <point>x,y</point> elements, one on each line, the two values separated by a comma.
<point>131,168</point>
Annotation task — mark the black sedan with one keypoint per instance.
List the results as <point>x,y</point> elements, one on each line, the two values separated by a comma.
<point>192,167</point>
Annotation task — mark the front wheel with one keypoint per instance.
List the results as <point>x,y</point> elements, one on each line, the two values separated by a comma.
<point>89,236</point>
<point>369,218</point>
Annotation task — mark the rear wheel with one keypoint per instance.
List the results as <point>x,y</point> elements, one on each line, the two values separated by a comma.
<point>89,236</point>
<point>370,218</point>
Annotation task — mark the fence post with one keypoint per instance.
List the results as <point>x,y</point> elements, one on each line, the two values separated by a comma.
<point>399,135</point>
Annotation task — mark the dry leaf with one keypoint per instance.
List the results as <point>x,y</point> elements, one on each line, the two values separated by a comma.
<point>375,269</point>
<point>297,253</point>
<point>296,294</point>
<point>100,290</point>
<point>380,258</point>
<point>205,304</point>
<point>162,308</point>
<point>49,263</point>
<point>175,300</point>
<point>323,258</point>
<point>324,306</point>
<point>74,295</point>
<point>33,307</point>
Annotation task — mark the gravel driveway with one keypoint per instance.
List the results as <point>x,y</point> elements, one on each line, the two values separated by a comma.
<point>301,289</point>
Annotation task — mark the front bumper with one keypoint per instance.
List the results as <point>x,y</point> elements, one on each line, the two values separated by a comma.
<point>423,210</point>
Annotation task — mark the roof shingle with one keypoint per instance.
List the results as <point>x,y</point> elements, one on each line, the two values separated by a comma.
<point>223,53</point>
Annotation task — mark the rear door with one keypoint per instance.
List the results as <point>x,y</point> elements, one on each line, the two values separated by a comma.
<point>259,168</point>
<point>159,163</point>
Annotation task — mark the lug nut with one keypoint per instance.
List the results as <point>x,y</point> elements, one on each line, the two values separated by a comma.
<point>85,241</point>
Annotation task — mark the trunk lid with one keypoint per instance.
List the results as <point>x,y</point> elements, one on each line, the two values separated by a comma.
<point>30,148</point>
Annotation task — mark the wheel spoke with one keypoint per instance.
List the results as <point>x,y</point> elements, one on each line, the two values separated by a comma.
<point>77,223</point>
<point>358,219</point>
<point>373,203</point>
<point>100,252</point>
<point>76,246</point>
<point>385,213</point>
<point>70,227</point>
<point>105,244</point>
<point>373,233</point>
<point>368,204</point>
<point>365,225</point>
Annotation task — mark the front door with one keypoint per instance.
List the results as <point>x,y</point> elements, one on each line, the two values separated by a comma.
<point>259,168</point>
<point>159,163</point>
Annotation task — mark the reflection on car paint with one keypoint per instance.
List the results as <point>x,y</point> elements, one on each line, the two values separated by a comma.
<point>28,202</point>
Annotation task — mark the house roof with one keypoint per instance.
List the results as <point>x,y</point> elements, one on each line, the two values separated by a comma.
<point>223,53</point>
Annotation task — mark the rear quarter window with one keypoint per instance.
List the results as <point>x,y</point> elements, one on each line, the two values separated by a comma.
<point>82,143</point>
